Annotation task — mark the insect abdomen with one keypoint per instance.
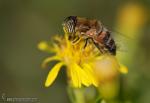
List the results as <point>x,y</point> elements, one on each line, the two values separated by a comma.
<point>109,43</point>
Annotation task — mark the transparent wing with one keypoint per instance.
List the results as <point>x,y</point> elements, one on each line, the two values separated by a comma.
<point>121,40</point>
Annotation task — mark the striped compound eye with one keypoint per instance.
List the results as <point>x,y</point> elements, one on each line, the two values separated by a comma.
<point>69,24</point>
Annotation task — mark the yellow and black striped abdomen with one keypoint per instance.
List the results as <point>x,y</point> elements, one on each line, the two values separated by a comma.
<point>105,43</point>
<point>109,43</point>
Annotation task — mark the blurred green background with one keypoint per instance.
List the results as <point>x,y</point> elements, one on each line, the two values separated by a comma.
<point>24,23</point>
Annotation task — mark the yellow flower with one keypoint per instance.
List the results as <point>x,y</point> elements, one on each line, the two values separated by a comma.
<point>131,18</point>
<point>79,62</point>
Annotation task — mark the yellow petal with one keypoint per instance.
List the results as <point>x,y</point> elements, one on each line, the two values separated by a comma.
<point>123,69</point>
<point>89,71</point>
<point>76,82</point>
<point>79,76</point>
<point>43,45</point>
<point>49,59</point>
<point>53,74</point>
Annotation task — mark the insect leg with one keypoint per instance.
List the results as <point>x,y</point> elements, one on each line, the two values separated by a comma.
<point>86,42</point>
<point>76,40</point>
<point>99,48</point>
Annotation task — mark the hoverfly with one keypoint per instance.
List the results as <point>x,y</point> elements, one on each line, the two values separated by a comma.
<point>90,29</point>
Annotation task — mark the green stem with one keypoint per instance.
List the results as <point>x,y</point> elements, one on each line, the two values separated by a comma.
<point>76,95</point>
